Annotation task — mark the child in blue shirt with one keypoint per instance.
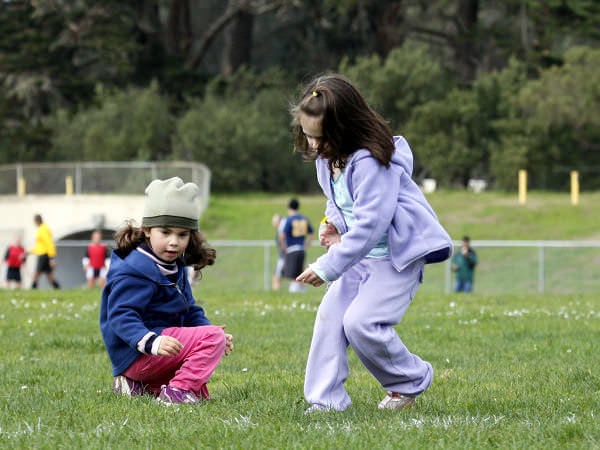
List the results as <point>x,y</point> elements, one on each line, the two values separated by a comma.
<point>158,339</point>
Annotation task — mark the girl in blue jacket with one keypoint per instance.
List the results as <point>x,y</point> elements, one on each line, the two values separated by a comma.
<point>159,340</point>
<point>380,231</point>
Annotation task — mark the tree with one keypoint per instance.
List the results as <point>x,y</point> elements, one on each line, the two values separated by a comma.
<point>456,137</point>
<point>52,54</point>
<point>132,124</point>
<point>240,129</point>
<point>561,111</point>
<point>406,78</point>
<point>446,25</point>
<point>237,49</point>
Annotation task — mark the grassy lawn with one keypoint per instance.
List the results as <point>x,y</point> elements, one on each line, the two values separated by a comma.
<point>488,215</point>
<point>484,216</point>
<point>511,372</point>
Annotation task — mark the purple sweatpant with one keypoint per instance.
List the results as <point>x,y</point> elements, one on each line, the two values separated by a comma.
<point>203,348</point>
<point>360,309</point>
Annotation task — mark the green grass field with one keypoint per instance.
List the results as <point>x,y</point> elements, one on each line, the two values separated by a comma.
<point>511,372</point>
<point>488,215</point>
<point>484,216</point>
<point>515,371</point>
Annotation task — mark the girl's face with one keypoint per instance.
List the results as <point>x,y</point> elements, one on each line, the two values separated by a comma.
<point>168,243</point>
<point>312,127</point>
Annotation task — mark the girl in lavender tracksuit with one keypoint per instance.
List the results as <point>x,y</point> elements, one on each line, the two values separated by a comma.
<point>380,231</point>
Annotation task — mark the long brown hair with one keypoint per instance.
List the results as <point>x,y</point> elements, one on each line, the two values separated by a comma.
<point>197,253</point>
<point>348,122</point>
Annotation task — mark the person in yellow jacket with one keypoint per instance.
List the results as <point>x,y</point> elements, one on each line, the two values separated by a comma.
<point>46,253</point>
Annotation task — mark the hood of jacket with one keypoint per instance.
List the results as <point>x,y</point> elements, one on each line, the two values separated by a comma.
<point>402,155</point>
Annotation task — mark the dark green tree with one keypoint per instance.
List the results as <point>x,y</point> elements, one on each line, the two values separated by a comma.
<point>52,54</point>
<point>241,130</point>
<point>554,123</point>
<point>124,125</point>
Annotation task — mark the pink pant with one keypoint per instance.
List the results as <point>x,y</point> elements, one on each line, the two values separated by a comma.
<point>203,348</point>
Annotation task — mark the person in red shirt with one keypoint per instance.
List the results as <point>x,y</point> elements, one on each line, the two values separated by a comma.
<point>14,258</point>
<point>95,261</point>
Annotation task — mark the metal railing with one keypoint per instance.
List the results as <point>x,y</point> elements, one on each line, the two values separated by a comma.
<point>98,177</point>
<point>522,267</point>
<point>504,266</point>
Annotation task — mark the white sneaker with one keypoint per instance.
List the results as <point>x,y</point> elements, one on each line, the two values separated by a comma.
<point>317,408</point>
<point>394,400</point>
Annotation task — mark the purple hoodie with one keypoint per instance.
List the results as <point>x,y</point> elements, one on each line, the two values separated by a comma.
<point>385,199</point>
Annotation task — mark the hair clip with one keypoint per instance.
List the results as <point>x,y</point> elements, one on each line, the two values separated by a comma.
<point>315,94</point>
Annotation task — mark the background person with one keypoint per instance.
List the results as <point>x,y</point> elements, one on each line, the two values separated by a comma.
<point>294,236</point>
<point>463,265</point>
<point>96,260</point>
<point>374,264</point>
<point>158,338</point>
<point>45,250</point>
<point>278,223</point>
<point>14,258</point>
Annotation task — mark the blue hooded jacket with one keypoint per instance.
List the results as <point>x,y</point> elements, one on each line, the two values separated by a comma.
<point>138,299</point>
<point>384,199</point>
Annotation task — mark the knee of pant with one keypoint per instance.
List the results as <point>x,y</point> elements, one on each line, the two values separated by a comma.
<point>355,327</point>
<point>217,334</point>
<point>210,335</point>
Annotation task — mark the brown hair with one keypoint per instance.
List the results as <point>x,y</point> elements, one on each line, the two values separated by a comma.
<point>348,122</point>
<point>197,253</point>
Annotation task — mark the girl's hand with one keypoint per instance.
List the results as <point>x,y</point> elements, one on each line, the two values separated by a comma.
<point>309,277</point>
<point>228,341</point>
<point>328,235</point>
<point>169,346</point>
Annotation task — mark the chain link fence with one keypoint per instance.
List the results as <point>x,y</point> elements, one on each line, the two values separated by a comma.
<point>96,177</point>
<point>515,267</point>
<point>504,267</point>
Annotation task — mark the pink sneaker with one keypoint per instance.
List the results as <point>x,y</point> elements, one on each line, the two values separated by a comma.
<point>170,395</point>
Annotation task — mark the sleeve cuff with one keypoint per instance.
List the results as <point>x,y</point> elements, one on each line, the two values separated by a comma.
<point>156,345</point>
<point>320,273</point>
<point>141,345</point>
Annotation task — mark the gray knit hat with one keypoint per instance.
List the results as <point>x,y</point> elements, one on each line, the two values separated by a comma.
<point>171,203</point>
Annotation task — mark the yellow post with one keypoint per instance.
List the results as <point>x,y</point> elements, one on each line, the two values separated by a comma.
<point>574,187</point>
<point>21,184</point>
<point>69,185</point>
<point>522,187</point>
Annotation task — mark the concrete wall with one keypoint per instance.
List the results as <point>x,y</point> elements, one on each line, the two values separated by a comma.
<point>67,216</point>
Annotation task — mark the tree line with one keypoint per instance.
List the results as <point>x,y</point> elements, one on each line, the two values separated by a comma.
<point>480,89</point>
